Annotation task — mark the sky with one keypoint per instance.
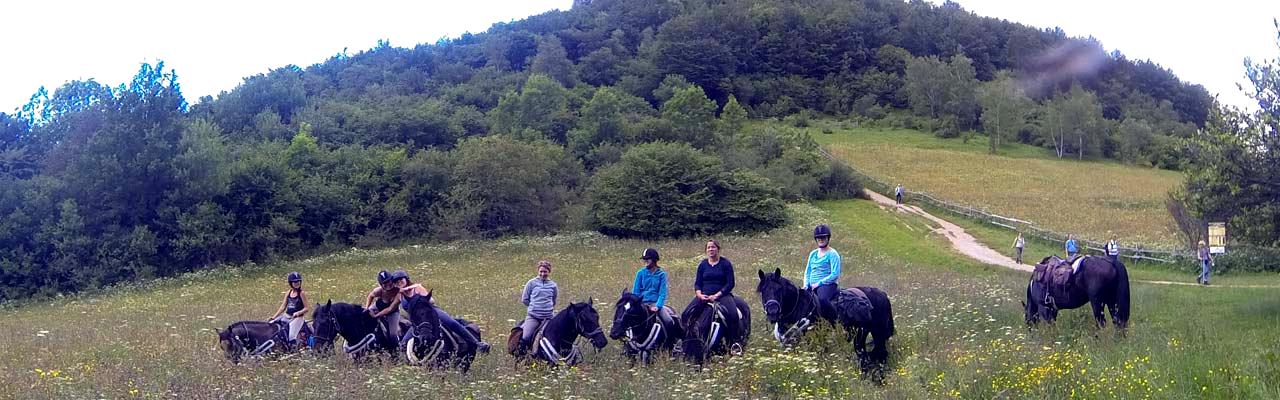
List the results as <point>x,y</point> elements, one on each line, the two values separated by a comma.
<point>214,45</point>
<point>1202,42</point>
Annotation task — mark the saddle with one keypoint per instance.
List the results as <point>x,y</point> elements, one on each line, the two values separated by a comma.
<point>1057,275</point>
<point>515,345</point>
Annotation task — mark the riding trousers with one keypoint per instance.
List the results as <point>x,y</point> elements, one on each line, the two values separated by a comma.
<point>295,325</point>
<point>390,321</point>
<point>730,311</point>
<point>530,327</point>
<point>825,293</point>
<point>664,313</point>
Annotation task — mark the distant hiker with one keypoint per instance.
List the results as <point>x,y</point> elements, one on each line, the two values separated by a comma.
<point>897,193</point>
<point>1113,249</point>
<point>822,271</point>
<point>1071,247</point>
<point>383,304</point>
<point>293,308</point>
<point>540,295</point>
<point>1206,260</point>
<point>1018,245</point>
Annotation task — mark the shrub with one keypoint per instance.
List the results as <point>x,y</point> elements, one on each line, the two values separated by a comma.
<point>839,182</point>
<point>1243,258</point>
<point>671,189</point>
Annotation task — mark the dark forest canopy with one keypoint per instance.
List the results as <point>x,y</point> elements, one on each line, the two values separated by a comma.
<point>509,130</point>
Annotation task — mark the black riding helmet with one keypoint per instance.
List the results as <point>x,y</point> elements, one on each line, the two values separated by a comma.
<point>649,254</point>
<point>384,277</point>
<point>399,274</point>
<point>822,231</point>
<point>295,277</point>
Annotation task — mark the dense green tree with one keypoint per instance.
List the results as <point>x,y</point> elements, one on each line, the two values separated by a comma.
<point>692,116</point>
<point>552,61</point>
<point>541,107</point>
<point>1004,109</point>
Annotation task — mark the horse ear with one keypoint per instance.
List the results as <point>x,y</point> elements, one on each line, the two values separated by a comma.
<point>591,301</point>
<point>624,291</point>
<point>761,273</point>
<point>777,271</point>
<point>329,303</point>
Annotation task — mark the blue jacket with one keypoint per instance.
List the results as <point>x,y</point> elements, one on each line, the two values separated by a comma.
<point>822,269</point>
<point>1072,247</point>
<point>651,287</point>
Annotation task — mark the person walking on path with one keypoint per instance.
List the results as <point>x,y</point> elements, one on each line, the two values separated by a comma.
<point>1113,249</point>
<point>1071,246</point>
<point>897,193</point>
<point>1206,260</point>
<point>1018,245</point>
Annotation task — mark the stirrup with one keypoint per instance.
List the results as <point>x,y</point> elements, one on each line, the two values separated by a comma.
<point>735,349</point>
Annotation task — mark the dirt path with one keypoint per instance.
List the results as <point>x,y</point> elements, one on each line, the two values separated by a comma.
<point>966,244</point>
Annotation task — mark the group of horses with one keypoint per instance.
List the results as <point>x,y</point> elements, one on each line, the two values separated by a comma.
<point>865,313</point>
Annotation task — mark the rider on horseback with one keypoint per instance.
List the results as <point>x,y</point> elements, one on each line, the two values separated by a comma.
<point>383,304</point>
<point>714,284</point>
<point>409,289</point>
<point>651,286</point>
<point>292,309</point>
<point>822,271</point>
<point>540,295</point>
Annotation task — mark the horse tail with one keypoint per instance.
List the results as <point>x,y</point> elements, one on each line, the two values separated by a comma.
<point>1122,295</point>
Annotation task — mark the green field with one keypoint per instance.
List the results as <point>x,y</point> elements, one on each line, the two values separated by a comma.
<point>960,330</point>
<point>1088,198</point>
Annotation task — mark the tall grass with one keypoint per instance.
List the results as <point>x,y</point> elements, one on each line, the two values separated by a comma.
<point>960,331</point>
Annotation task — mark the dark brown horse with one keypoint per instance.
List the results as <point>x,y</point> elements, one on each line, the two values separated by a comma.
<point>1097,282</point>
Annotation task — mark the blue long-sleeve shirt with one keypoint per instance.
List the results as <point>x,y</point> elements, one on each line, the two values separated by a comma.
<point>1071,246</point>
<point>822,268</point>
<point>651,286</point>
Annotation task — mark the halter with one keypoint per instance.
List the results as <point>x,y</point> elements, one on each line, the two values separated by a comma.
<point>337,328</point>
<point>653,332</point>
<point>713,336</point>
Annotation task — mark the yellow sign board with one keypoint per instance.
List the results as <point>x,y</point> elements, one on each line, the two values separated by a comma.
<point>1217,237</point>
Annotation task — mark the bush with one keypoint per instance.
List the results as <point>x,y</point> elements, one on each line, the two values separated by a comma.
<point>840,182</point>
<point>501,185</point>
<point>671,189</point>
<point>1243,258</point>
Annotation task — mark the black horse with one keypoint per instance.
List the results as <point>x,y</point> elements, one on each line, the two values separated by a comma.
<point>1097,281</point>
<point>431,343</point>
<point>704,330</point>
<point>557,347</point>
<point>642,330</point>
<point>791,311</point>
<point>363,333</point>
<point>255,338</point>
<point>866,311</point>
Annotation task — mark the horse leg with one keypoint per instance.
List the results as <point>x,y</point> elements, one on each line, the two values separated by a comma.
<point>1097,312</point>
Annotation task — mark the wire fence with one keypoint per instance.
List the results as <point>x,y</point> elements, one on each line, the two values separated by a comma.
<point>1136,253</point>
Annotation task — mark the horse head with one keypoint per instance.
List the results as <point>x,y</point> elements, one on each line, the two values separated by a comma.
<point>628,312</point>
<point>776,294</point>
<point>326,327</point>
<point>428,333</point>
<point>697,327</point>
<point>230,345</point>
<point>587,322</point>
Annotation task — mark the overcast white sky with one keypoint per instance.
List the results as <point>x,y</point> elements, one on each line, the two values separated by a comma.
<point>214,45</point>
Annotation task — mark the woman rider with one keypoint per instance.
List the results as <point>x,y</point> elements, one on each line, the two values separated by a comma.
<point>293,308</point>
<point>651,285</point>
<point>822,270</point>
<point>539,296</point>
<point>408,289</point>
<point>714,283</point>
<point>383,304</point>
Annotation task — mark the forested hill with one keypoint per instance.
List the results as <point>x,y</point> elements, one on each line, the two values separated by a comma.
<point>534,126</point>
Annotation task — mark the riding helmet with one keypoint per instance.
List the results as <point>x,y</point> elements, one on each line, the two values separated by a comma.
<point>295,277</point>
<point>384,277</point>
<point>399,274</point>
<point>821,231</point>
<point>649,254</point>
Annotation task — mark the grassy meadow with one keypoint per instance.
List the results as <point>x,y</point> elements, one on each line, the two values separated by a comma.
<point>1088,198</point>
<point>960,330</point>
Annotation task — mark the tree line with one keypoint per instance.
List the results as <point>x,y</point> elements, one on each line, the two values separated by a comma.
<point>629,117</point>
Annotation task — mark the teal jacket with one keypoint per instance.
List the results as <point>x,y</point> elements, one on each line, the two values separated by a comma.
<point>651,287</point>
